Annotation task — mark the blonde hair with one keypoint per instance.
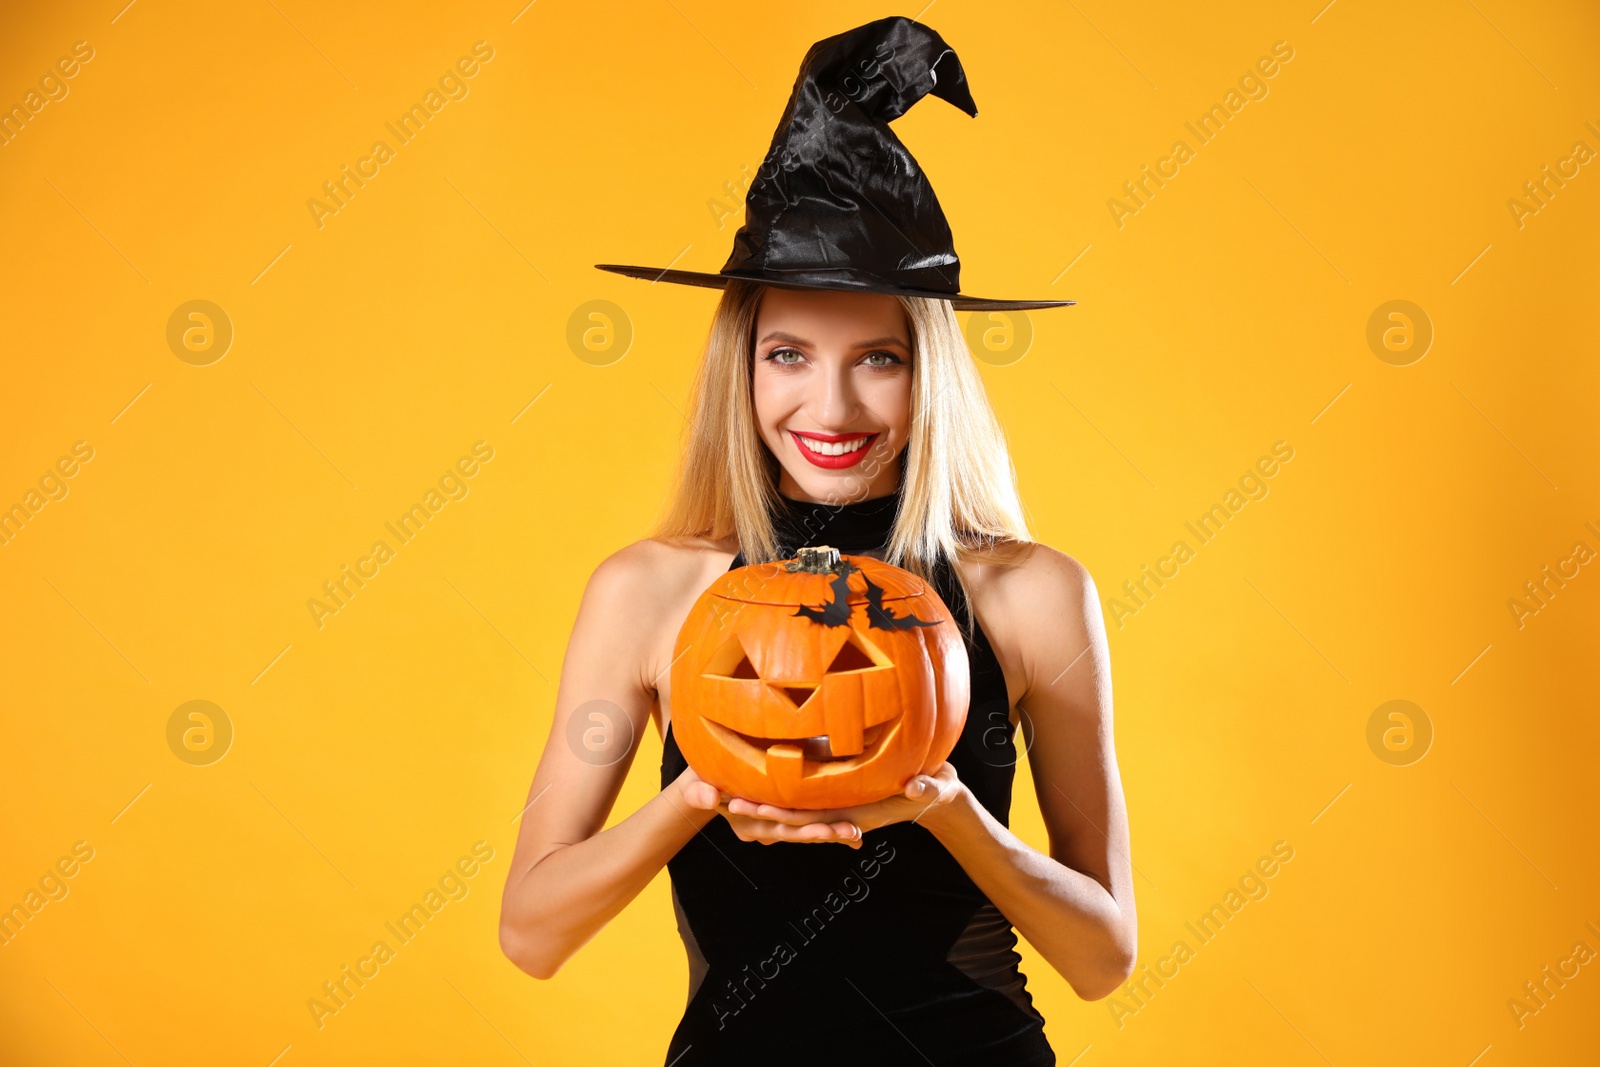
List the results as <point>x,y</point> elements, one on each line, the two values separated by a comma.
<point>959,493</point>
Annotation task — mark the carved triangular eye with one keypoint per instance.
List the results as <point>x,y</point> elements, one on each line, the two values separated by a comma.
<point>731,661</point>
<point>850,658</point>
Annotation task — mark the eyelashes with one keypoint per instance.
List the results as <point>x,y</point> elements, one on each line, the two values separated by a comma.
<point>771,357</point>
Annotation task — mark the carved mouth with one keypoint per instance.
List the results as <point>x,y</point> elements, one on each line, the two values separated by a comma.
<point>783,757</point>
<point>816,748</point>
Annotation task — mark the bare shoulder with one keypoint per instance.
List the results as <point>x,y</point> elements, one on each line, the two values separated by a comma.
<point>639,595</point>
<point>1028,574</point>
<point>1041,611</point>
<point>655,573</point>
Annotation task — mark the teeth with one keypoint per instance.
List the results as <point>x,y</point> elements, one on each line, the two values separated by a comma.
<point>836,448</point>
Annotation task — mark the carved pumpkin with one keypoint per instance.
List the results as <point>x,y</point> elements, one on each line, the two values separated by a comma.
<point>819,682</point>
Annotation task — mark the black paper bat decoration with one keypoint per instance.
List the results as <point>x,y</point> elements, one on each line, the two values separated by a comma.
<point>884,619</point>
<point>836,612</point>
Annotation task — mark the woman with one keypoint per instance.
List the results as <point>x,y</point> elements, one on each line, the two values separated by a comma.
<point>850,367</point>
<point>837,404</point>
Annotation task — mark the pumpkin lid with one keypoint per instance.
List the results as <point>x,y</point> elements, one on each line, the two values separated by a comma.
<point>812,576</point>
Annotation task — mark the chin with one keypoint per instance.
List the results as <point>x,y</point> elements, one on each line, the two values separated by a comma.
<point>843,488</point>
<point>843,484</point>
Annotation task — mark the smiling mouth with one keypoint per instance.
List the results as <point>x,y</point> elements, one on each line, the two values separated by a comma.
<point>832,444</point>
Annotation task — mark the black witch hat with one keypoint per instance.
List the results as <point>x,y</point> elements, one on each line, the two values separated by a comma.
<point>838,202</point>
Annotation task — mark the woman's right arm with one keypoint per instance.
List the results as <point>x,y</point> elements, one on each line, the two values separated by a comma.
<point>568,878</point>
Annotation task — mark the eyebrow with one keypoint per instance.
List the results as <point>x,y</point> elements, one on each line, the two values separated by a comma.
<point>789,338</point>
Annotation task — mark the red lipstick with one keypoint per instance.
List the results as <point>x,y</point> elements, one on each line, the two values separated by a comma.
<point>839,462</point>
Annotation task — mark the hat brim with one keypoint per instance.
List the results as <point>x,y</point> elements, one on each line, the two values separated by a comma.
<point>958,301</point>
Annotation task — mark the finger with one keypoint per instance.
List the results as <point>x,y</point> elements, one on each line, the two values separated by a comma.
<point>700,795</point>
<point>766,831</point>
<point>847,834</point>
<point>810,832</point>
<point>769,812</point>
<point>817,831</point>
<point>773,813</point>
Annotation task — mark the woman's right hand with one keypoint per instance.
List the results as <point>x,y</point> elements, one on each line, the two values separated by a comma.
<point>698,793</point>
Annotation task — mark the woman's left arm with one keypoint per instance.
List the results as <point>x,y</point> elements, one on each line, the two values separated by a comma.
<point>1075,906</point>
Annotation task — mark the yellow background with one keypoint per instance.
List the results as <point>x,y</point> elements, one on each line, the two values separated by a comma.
<point>369,354</point>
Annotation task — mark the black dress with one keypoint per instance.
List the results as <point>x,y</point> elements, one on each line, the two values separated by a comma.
<point>820,954</point>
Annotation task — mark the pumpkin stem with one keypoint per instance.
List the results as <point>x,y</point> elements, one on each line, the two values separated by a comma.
<point>821,559</point>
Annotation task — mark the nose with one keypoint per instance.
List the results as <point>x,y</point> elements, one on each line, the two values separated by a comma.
<point>835,400</point>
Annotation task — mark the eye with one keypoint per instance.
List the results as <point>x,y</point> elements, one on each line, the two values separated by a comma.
<point>780,356</point>
<point>775,356</point>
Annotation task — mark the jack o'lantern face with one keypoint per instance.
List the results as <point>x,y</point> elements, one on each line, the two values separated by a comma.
<point>813,706</point>
<point>817,713</point>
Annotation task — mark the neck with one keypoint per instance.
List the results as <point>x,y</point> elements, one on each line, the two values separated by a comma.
<point>856,525</point>
<point>851,490</point>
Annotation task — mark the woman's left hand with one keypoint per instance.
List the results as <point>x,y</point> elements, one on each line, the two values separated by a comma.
<point>922,796</point>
